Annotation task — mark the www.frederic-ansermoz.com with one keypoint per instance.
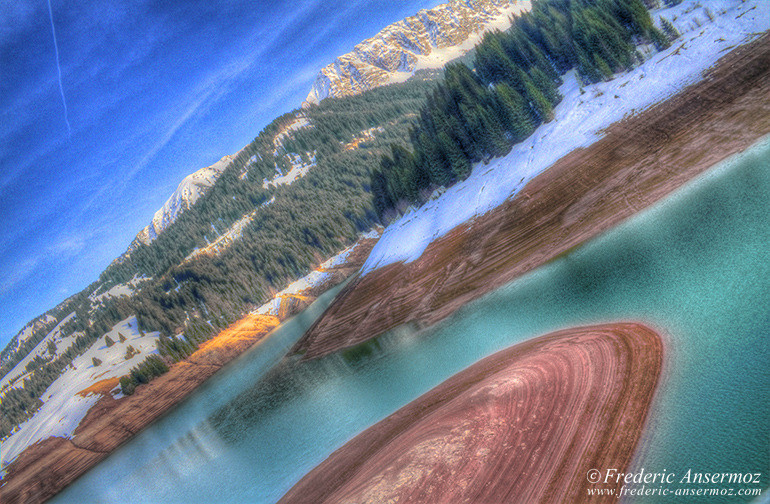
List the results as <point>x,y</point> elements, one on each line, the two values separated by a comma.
<point>692,483</point>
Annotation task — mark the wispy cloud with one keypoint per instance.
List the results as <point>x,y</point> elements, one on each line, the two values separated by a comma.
<point>68,246</point>
<point>210,89</point>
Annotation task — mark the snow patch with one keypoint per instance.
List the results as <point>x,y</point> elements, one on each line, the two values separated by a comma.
<point>17,375</point>
<point>580,119</point>
<point>63,408</point>
<point>119,290</point>
<point>298,170</point>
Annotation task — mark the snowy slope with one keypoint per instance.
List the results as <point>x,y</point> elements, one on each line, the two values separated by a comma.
<point>63,408</point>
<point>16,375</point>
<point>25,334</point>
<point>298,169</point>
<point>120,290</point>
<point>579,120</point>
<point>187,193</point>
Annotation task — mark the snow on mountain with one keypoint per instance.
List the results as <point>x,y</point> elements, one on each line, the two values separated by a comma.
<point>187,193</point>
<point>580,118</point>
<point>233,233</point>
<point>25,334</point>
<point>67,400</point>
<point>16,375</point>
<point>429,39</point>
<point>299,169</point>
<point>97,297</point>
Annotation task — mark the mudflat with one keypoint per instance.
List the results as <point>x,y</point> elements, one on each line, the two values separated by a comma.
<point>637,162</point>
<point>526,424</point>
<point>47,467</point>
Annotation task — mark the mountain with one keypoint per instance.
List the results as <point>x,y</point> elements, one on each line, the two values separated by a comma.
<point>187,193</point>
<point>428,39</point>
<point>24,335</point>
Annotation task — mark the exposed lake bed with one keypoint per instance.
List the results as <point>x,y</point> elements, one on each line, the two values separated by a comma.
<point>693,267</point>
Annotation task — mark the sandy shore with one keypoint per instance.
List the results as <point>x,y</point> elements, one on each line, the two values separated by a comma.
<point>639,161</point>
<point>523,425</point>
<point>45,468</point>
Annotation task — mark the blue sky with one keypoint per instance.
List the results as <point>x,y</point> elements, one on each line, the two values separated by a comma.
<point>153,91</point>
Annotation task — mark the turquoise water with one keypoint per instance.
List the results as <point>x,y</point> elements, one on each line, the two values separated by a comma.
<point>696,267</point>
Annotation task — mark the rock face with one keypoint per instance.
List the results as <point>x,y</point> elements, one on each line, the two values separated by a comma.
<point>426,40</point>
<point>187,193</point>
<point>523,425</point>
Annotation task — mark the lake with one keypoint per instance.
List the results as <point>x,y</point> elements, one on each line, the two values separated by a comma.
<point>695,266</point>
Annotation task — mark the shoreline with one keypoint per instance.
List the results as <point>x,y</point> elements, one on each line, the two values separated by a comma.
<point>585,193</point>
<point>582,195</point>
<point>524,424</point>
<point>45,468</point>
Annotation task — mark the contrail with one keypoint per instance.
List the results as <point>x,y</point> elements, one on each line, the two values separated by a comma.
<point>58,67</point>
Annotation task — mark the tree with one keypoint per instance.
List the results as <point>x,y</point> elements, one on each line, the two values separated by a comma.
<point>539,103</point>
<point>108,341</point>
<point>603,67</point>
<point>669,29</point>
<point>121,337</point>
<point>457,164</point>
<point>127,385</point>
<point>96,362</point>
<point>513,113</point>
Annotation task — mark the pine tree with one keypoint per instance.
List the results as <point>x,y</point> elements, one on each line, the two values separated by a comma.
<point>661,41</point>
<point>603,67</point>
<point>127,385</point>
<point>96,362</point>
<point>545,85</point>
<point>513,112</point>
<point>108,341</point>
<point>540,105</point>
<point>669,29</point>
<point>458,166</point>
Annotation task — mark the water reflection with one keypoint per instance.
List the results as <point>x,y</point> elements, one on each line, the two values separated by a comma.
<point>695,266</point>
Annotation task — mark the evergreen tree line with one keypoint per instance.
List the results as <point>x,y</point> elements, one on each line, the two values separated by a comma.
<point>144,372</point>
<point>10,356</point>
<point>316,216</point>
<point>474,114</point>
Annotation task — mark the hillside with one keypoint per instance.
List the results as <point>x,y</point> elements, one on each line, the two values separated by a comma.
<point>261,226</point>
<point>429,39</point>
<point>190,189</point>
<point>429,152</point>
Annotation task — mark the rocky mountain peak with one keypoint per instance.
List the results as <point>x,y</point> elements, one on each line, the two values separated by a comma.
<point>186,194</point>
<point>428,39</point>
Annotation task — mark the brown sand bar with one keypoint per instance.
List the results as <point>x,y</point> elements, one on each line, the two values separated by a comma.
<point>47,467</point>
<point>523,425</point>
<point>639,161</point>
